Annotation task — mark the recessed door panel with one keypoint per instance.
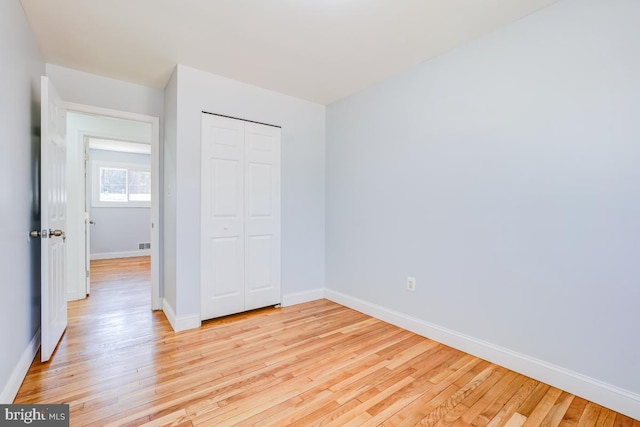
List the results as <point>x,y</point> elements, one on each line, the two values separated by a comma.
<point>259,263</point>
<point>227,137</point>
<point>226,266</point>
<point>222,287</point>
<point>260,194</point>
<point>260,142</point>
<point>226,200</point>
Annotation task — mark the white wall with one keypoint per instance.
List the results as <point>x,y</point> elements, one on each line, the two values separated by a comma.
<point>22,66</point>
<point>303,178</point>
<point>90,89</point>
<point>117,231</point>
<point>505,177</point>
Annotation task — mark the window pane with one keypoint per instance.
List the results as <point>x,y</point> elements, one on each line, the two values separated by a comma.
<point>113,185</point>
<point>139,186</point>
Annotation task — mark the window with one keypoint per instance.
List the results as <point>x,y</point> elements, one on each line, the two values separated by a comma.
<point>121,185</point>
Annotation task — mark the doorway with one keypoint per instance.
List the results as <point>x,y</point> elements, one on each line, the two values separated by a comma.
<point>109,132</point>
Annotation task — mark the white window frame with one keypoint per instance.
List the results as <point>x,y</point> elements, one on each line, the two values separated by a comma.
<point>95,184</point>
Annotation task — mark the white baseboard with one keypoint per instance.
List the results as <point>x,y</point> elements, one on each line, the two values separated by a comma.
<point>126,254</point>
<point>302,297</point>
<point>75,296</point>
<point>597,391</point>
<point>10,390</point>
<point>180,323</point>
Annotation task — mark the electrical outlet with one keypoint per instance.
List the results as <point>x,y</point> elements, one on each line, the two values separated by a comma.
<point>411,284</point>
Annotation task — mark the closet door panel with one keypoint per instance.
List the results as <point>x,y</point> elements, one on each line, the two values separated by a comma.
<point>222,217</point>
<point>262,220</point>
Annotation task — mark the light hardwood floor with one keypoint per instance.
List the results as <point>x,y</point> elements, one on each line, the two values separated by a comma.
<point>318,363</point>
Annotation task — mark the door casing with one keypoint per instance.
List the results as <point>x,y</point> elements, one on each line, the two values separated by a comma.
<point>154,122</point>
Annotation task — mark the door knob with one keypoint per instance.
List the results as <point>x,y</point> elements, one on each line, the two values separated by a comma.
<point>36,233</point>
<point>56,233</point>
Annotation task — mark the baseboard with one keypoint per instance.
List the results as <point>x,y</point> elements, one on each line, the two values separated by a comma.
<point>75,296</point>
<point>126,254</point>
<point>597,391</point>
<point>180,323</point>
<point>302,297</point>
<point>10,390</point>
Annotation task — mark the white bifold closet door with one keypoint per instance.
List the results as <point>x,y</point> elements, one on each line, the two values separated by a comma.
<point>240,216</point>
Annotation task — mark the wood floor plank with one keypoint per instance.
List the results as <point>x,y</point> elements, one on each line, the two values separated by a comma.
<point>471,407</point>
<point>532,401</point>
<point>573,414</point>
<point>318,363</point>
<point>435,415</point>
<point>492,411</point>
<point>606,418</point>
<point>516,420</point>
<point>364,403</point>
<point>414,397</point>
<point>623,421</point>
<point>558,411</point>
<point>543,407</point>
<point>590,415</point>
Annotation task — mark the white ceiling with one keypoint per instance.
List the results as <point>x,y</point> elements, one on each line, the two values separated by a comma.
<point>320,50</point>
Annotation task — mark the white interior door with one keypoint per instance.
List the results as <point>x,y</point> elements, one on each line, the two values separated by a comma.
<point>262,215</point>
<point>222,220</point>
<point>53,219</point>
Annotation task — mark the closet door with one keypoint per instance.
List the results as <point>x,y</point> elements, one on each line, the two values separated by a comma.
<point>262,215</point>
<point>240,208</point>
<point>222,216</point>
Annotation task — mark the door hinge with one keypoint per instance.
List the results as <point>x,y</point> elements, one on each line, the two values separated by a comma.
<point>87,273</point>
